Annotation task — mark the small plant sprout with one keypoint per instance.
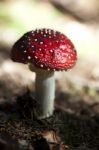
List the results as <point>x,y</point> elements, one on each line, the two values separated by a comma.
<point>46,51</point>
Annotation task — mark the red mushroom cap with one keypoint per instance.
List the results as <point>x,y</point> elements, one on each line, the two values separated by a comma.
<point>46,49</point>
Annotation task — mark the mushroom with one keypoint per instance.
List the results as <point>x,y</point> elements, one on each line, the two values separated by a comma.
<point>46,51</point>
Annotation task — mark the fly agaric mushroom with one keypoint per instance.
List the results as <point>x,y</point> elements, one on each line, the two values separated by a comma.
<point>46,51</point>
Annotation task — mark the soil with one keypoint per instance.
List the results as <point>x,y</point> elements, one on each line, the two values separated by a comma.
<point>74,128</point>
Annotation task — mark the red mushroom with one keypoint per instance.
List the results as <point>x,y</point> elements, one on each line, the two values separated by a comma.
<point>46,51</point>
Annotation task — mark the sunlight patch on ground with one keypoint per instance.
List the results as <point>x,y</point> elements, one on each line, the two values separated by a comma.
<point>18,72</point>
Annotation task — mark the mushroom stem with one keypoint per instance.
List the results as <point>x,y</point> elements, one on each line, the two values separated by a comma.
<point>45,91</point>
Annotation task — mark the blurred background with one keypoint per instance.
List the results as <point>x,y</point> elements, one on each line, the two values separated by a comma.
<point>79,20</point>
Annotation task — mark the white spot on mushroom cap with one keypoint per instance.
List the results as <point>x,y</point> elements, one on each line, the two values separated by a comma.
<point>51,50</point>
<point>29,57</point>
<point>35,40</point>
<point>63,47</point>
<point>29,39</point>
<point>33,34</point>
<point>49,30</point>
<point>41,43</point>
<point>41,65</point>
<point>44,35</point>
<point>36,57</point>
<point>42,32</point>
<point>69,50</point>
<point>48,69</point>
<point>46,31</point>
<point>25,51</point>
<point>37,30</point>
<point>69,57</point>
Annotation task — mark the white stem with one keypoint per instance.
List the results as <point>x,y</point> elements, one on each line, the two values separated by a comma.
<point>45,92</point>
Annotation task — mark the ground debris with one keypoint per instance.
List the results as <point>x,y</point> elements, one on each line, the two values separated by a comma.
<point>7,142</point>
<point>78,130</point>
